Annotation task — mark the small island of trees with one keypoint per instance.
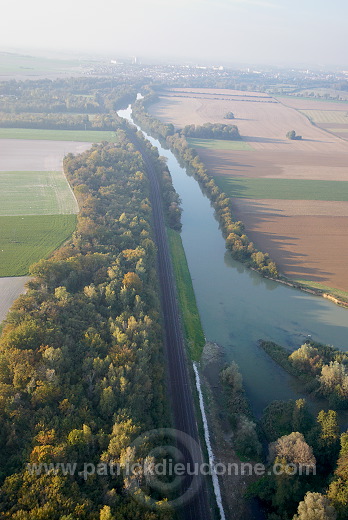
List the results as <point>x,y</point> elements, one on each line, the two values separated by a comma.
<point>293,136</point>
<point>229,115</point>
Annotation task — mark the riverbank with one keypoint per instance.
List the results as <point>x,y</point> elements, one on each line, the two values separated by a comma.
<point>187,300</point>
<point>235,484</point>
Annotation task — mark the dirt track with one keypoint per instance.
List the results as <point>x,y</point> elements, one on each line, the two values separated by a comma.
<point>10,289</point>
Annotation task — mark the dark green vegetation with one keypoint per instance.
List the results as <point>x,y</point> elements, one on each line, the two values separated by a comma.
<point>25,240</point>
<point>236,241</point>
<point>81,366</point>
<point>299,439</point>
<point>218,144</point>
<point>237,411</point>
<point>287,189</point>
<point>298,444</point>
<point>212,131</point>
<point>190,315</point>
<point>322,368</point>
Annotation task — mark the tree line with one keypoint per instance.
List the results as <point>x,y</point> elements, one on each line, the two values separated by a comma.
<point>237,242</point>
<point>212,131</point>
<point>73,95</point>
<point>58,121</point>
<point>81,361</point>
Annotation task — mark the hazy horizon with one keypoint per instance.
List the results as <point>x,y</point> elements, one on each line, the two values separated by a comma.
<point>284,33</point>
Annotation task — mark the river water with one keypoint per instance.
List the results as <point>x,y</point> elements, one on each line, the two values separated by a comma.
<point>238,306</point>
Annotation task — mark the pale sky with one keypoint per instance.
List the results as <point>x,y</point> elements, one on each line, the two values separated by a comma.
<point>240,31</point>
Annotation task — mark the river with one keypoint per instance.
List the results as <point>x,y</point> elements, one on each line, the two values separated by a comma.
<point>238,306</point>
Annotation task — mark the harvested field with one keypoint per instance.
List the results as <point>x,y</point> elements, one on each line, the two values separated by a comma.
<point>327,116</point>
<point>334,121</point>
<point>18,155</point>
<point>288,208</point>
<point>289,189</point>
<point>308,239</point>
<point>10,289</point>
<point>277,165</point>
<point>306,247</point>
<point>311,104</point>
<point>36,193</point>
<point>262,125</point>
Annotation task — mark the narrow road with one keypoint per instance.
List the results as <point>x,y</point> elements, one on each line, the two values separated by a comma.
<point>179,385</point>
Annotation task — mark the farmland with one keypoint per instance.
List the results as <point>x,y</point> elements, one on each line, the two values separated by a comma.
<point>35,193</point>
<point>21,155</point>
<point>25,240</point>
<point>38,209</point>
<point>218,144</point>
<point>288,189</point>
<point>90,136</point>
<point>291,195</point>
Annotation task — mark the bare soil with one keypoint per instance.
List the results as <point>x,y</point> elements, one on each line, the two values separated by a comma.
<point>10,289</point>
<point>35,155</point>
<point>307,247</point>
<point>307,239</point>
<point>276,164</point>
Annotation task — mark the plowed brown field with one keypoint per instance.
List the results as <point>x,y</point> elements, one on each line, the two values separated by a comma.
<point>307,239</point>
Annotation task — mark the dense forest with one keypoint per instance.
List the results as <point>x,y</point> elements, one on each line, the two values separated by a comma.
<point>306,464</point>
<point>81,362</point>
<point>74,95</point>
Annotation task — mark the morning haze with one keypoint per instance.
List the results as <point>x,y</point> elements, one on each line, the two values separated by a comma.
<point>283,32</point>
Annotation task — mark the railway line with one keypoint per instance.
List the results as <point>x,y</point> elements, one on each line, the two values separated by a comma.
<point>179,386</point>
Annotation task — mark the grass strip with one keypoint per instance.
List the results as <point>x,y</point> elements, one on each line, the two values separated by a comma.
<point>187,300</point>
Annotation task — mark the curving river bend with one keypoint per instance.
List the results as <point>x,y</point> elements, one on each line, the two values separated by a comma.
<point>238,306</point>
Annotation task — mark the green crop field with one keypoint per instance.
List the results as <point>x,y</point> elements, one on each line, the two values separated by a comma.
<point>25,240</point>
<point>290,189</point>
<point>219,144</point>
<point>192,322</point>
<point>327,116</point>
<point>89,136</point>
<point>35,193</point>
